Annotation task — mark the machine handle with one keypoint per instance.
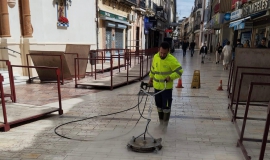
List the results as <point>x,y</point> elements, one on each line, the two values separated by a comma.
<point>144,85</point>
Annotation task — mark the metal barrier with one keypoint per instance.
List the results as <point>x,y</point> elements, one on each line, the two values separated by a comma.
<point>36,54</point>
<point>12,95</point>
<point>128,58</point>
<point>243,74</point>
<point>103,55</point>
<point>77,56</point>
<point>95,73</point>
<point>234,83</point>
<point>266,129</point>
<point>230,79</point>
<point>7,124</point>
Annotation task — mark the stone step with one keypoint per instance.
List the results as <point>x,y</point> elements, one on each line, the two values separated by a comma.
<point>18,79</point>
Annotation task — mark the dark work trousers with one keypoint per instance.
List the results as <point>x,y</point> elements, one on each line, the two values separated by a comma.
<point>192,51</point>
<point>164,100</point>
<point>184,52</point>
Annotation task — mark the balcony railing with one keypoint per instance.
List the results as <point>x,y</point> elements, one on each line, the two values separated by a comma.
<point>199,5</point>
<point>197,27</point>
<point>142,4</point>
<point>154,7</point>
<point>149,4</point>
<point>130,2</point>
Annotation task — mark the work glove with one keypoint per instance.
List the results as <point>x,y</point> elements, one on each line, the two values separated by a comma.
<point>150,83</point>
<point>168,79</point>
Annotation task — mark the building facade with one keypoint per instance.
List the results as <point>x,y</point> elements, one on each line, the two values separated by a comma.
<point>43,25</point>
<point>250,22</point>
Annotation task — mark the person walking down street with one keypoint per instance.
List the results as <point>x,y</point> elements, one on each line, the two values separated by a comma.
<point>192,47</point>
<point>218,52</point>
<point>184,47</point>
<point>203,51</point>
<point>227,55</point>
<point>247,45</point>
<point>263,43</point>
<point>238,45</point>
<point>165,67</point>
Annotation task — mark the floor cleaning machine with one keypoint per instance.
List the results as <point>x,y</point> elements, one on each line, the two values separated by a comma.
<point>142,143</point>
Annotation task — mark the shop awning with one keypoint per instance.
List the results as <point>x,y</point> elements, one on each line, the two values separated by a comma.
<point>256,15</point>
<point>236,23</point>
<point>115,20</point>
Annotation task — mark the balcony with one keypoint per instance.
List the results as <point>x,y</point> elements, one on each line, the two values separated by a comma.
<point>197,27</point>
<point>154,7</point>
<point>149,4</point>
<point>142,4</point>
<point>198,6</point>
<point>130,2</point>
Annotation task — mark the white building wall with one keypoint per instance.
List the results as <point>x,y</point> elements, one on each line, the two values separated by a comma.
<point>46,34</point>
<point>81,15</point>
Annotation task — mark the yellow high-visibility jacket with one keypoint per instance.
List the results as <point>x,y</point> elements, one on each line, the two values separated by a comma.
<point>162,68</point>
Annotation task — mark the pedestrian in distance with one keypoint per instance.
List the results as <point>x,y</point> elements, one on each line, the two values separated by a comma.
<point>165,68</point>
<point>184,47</point>
<point>218,53</point>
<point>192,47</point>
<point>238,45</point>
<point>246,44</point>
<point>203,52</point>
<point>263,43</point>
<point>227,55</point>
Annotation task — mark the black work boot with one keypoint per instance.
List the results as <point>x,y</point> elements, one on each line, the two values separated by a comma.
<point>160,115</point>
<point>166,117</point>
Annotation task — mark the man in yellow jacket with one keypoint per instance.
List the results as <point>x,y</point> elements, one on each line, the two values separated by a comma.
<point>165,67</point>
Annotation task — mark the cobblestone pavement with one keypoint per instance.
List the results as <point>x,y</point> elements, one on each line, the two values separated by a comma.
<point>199,128</point>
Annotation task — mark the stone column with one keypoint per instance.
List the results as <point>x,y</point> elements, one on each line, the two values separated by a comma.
<point>4,18</point>
<point>26,19</point>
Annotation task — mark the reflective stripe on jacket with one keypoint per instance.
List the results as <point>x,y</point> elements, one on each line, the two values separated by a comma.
<point>162,68</point>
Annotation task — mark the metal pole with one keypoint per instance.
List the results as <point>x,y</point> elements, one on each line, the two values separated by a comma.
<point>59,91</point>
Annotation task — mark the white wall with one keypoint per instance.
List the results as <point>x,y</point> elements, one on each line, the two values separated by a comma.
<point>14,23</point>
<point>47,35</point>
<point>81,15</point>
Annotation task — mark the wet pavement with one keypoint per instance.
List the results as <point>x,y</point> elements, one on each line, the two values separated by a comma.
<point>200,127</point>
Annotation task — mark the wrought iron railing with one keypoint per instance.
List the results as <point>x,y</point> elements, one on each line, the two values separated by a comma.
<point>132,1</point>
<point>154,7</point>
<point>142,4</point>
<point>197,27</point>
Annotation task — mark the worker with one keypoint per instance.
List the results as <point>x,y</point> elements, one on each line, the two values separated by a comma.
<point>165,67</point>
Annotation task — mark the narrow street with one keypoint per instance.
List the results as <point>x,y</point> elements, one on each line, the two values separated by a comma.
<point>199,128</point>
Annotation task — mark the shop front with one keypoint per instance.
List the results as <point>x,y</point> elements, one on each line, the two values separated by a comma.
<point>158,28</point>
<point>251,23</point>
<point>217,23</point>
<point>147,31</point>
<point>257,13</point>
<point>113,28</point>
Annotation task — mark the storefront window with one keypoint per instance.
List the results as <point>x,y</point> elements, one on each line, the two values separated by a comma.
<point>246,38</point>
<point>259,35</point>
